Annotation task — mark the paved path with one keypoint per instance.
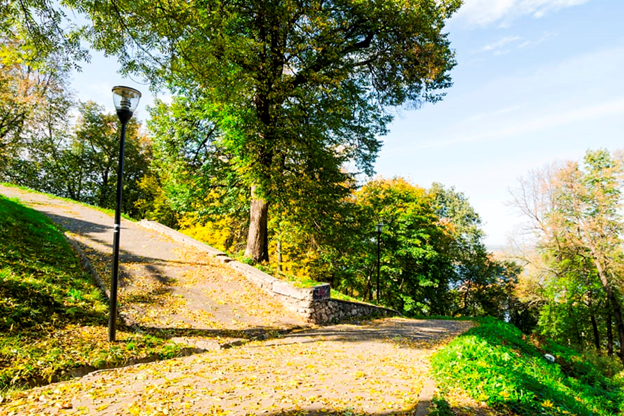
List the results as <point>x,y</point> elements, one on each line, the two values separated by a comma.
<point>163,283</point>
<point>377,367</point>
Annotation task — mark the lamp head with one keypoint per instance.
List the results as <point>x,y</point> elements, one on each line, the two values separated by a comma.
<point>380,226</point>
<point>126,100</point>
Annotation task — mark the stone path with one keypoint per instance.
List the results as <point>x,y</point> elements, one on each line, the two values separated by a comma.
<point>373,367</point>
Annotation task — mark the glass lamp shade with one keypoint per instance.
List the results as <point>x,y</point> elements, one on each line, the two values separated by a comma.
<point>380,227</point>
<point>126,100</point>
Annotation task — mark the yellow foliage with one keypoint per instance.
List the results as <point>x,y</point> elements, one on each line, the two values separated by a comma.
<point>215,234</point>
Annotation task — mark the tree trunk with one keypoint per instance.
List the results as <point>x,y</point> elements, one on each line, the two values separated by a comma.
<point>619,324</point>
<point>615,304</point>
<point>609,335</point>
<point>596,333</point>
<point>279,255</point>
<point>257,239</point>
<point>594,324</point>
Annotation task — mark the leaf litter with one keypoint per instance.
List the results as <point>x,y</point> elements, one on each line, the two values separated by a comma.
<point>346,369</point>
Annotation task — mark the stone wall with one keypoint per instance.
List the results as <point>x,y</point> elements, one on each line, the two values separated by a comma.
<point>334,310</point>
<point>313,305</point>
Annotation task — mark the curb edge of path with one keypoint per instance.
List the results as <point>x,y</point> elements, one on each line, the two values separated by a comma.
<point>426,397</point>
<point>86,264</point>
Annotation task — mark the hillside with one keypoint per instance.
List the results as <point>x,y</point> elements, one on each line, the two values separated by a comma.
<point>53,318</point>
<point>495,364</point>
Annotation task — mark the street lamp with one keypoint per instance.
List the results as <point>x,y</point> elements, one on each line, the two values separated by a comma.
<point>126,100</point>
<point>379,230</point>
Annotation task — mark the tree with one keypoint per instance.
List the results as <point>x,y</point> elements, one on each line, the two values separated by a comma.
<point>296,88</point>
<point>47,36</point>
<point>195,173</point>
<point>97,141</point>
<point>34,103</point>
<point>481,284</point>
<point>80,161</point>
<point>416,265</point>
<point>575,212</point>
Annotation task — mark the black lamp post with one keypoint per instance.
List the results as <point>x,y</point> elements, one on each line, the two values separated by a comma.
<point>126,100</point>
<point>379,230</point>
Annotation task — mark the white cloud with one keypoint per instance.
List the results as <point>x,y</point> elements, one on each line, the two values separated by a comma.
<point>487,12</point>
<point>505,44</point>
<point>501,43</point>
<point>592,112</point>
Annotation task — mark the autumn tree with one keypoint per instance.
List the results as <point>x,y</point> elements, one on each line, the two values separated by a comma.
<point>79,160</point>
<point>575,212</point>
<point>433,260</point>
<point>297,89</point>
<point>34,101</point>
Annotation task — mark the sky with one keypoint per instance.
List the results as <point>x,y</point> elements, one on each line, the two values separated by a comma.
<point>536,81</point>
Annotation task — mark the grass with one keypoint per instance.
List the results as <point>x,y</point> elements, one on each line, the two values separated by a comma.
<point>339,295</point>
<point>53,318</point>
<point>496,364</point>
<point>60,198</point>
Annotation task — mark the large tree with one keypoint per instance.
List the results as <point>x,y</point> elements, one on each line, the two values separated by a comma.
<point>47,35</point>
<point>575,210</point>
<point>296,88</point>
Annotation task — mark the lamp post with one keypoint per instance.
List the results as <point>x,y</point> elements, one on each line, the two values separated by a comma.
<point>379,230</point>
<point>126,100</point>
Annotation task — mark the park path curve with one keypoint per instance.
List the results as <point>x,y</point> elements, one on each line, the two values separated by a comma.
<point>368,367</point>
<point>372,368</point>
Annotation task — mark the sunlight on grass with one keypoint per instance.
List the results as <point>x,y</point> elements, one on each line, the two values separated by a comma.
<point>495,364</point>
<point>53,319</point>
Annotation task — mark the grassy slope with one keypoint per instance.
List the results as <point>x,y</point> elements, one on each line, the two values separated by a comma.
<point>106,211</point>
<point>494,363</point>
<point>52,316</point>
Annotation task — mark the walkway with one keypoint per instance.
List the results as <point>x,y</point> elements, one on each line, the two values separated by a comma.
<point>163,283</point>
<point>377,367</point>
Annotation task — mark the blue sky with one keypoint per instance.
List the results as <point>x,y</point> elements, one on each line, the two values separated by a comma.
<point>536,81</point>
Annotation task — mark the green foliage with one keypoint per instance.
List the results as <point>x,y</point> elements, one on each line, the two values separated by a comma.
<point>575,209</point>
<point>284,93</point>
<point>415,262</point>
<point>81,162</point>
<point>496,364</point>
<point>193,174</point>
<point>48,37</point>
<point>52,317</point>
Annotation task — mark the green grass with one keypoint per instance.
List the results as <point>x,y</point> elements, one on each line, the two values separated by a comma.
<point>60,198</point>
<point>494,363</point>
<point>339,295</point>
<point>53,318</point>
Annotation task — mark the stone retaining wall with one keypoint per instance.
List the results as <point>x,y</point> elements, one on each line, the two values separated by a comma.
<point>333,310</point>
<point>314,304</point>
